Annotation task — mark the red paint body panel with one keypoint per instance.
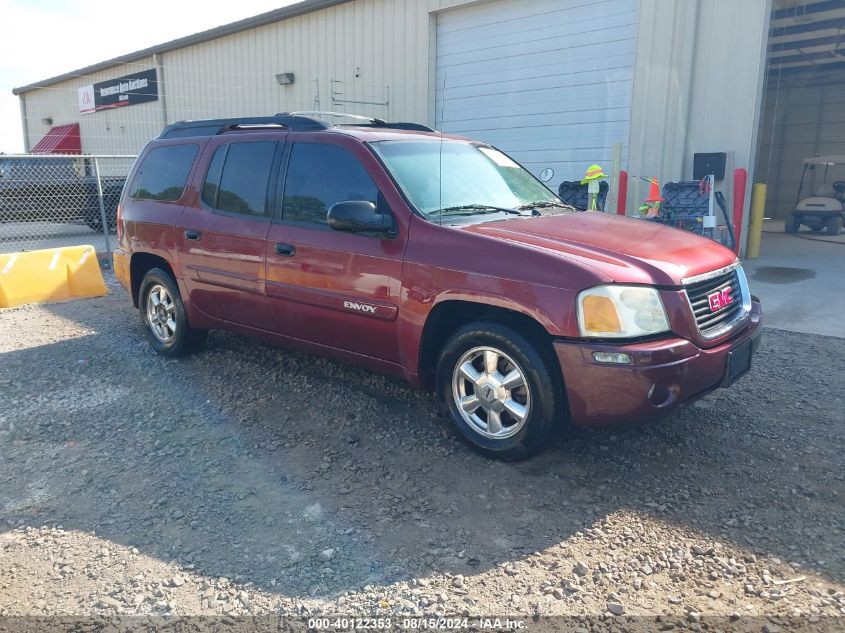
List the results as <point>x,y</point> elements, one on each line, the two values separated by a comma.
<point>628,250</point>
<point>368,299</point>
<point>224,269</point>
<point>310,293</point>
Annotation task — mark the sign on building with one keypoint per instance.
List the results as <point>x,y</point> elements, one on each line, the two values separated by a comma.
<point>132,89</point>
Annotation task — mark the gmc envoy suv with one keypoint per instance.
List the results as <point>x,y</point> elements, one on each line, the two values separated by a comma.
<point>434,258</point>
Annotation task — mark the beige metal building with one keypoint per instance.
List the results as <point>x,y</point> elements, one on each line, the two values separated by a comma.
<point>559,83</point>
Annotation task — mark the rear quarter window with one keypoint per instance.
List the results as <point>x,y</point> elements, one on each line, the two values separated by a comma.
<point>163,173</point>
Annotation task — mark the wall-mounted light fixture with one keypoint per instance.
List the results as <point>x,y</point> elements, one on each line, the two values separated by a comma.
<point>285,79</point>
<point>47,120</point>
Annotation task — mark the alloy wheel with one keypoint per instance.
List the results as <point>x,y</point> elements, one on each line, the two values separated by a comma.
<point>161,313</point>
<point>491,393</point>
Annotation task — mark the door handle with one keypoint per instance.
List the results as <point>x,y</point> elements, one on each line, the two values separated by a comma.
<point>191,234</point>
<point>287,250</point>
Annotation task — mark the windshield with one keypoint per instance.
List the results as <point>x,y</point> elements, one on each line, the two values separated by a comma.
<point>473,177</point>
<point>826,181</point>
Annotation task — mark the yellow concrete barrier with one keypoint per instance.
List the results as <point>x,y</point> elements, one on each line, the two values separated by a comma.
<point>53,274</point>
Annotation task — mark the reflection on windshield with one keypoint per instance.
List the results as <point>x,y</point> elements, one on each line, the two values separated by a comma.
<point>465,176</point>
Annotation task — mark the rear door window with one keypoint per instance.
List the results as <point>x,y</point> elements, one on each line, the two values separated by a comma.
<point>238,177</point>
<point>163,173</point>
<point>320,175</point>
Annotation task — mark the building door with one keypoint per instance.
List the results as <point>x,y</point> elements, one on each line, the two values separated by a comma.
<point>549,82</point>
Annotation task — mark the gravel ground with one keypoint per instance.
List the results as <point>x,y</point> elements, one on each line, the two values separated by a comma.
<point>251,480</point>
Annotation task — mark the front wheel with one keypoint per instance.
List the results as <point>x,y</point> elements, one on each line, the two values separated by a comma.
<point>792,224</point>
<point>834,225</point>
<point>500,390</point>
<point>163,316</point>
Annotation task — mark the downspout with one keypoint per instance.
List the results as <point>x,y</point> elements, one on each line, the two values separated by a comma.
<point>24,123</point>
<point>161,94</point>
<point>694,26</point>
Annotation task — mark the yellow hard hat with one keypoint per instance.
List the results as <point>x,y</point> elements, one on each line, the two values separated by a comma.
<point>594,172</point>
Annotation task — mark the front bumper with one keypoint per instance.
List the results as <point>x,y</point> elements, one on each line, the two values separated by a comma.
<point>662,376</point>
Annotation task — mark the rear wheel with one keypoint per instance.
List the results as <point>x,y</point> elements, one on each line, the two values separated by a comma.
<point>792,223</point>
<point>834,225</point>
<point>93,217</point>
<point>500,390</point>
<point>163,315</point>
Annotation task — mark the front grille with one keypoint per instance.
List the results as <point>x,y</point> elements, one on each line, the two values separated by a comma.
<point>710,321</point>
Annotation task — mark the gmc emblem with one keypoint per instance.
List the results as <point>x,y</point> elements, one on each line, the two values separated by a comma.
<point>720,299</point>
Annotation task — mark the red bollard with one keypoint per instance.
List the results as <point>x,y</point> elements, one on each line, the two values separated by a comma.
<point>622,194</point>
<point>740,183</point>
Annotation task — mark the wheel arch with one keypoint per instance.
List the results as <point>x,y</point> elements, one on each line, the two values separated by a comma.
<point>450,314</point>
<point>139,265</point>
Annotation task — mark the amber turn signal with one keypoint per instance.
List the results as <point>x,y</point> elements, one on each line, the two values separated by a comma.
<point>600,315</point>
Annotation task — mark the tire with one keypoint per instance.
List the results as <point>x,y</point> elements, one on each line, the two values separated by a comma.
<point>816,229</point>
<point>158,299</point>
<point>792,224</point>
<point>93,218</point>
<point>95,224</point>
<point>834,225</point>
<point>537,393</point>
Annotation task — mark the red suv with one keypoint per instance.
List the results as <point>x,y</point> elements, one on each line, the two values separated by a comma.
<point>437,259</point>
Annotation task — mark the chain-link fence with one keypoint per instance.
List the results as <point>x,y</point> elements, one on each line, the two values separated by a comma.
<point>48,201</point>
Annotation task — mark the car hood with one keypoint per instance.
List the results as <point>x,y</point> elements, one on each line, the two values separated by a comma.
<point>627,250</point>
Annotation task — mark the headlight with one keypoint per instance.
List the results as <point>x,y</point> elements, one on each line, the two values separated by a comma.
<point>621,312</point>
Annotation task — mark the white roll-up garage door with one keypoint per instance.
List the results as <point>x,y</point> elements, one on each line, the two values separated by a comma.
<point>548,81</point>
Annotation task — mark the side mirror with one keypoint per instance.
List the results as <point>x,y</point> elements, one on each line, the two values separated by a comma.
<point>355,216</point>
<point>547,174</point>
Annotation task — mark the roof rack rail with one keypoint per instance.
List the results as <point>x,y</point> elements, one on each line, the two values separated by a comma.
<point>294,121</point>
<point>407,125</point>
<point>219,126</point>
<point>368,121</point>
<point>322,113</point>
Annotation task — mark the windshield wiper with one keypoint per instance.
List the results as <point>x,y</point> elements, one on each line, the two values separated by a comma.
<point>543,204</point>
<point>477,208</point>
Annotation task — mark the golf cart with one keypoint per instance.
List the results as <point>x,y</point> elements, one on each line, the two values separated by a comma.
<point>827,207</point>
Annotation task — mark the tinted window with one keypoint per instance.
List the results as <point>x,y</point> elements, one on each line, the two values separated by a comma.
<point>243,179</point>
<point>212,178</point>
<point>164,172</point>
<point>321,175</point>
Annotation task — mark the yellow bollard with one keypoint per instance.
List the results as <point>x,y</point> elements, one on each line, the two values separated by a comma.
<point>54,274</point>
<point>755,222</point>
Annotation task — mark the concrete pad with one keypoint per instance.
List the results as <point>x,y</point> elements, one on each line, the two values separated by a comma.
<point>800,280</point>
<point>776,226</point>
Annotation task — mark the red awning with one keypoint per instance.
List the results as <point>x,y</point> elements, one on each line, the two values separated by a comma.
<point>62,139</point>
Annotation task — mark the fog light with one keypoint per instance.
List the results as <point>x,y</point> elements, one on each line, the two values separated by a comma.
<point>612,357</point>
